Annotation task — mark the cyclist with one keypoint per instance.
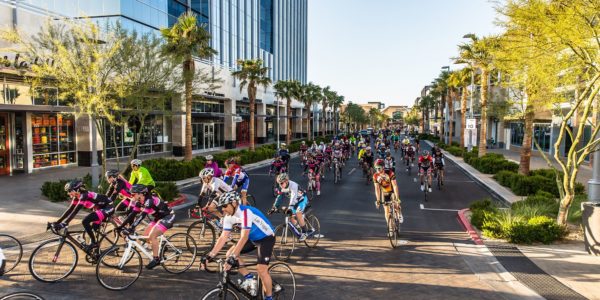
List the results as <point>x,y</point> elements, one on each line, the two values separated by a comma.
<point>329,150</point>
<point>211,185</point>
<point>120,186</point>
<point>284,154</point>
<point>425,168</point>
<point>101,206</point>
<point>385,185</point>
<point>417,144</point>
<point>389,162</point>
<point>256,233</point>
<point>163,219</point>
<point>140,175</point>
<point>320,158</point>
<point>367,160</point>
<point>211,163</point>
<point>297,204</point>
<point>303,151</point>
<point>381,151</point>
<point>438,162</point>
<point>314,165</point>
<point>277,165</point>
<point>240,177</point>
<point>410,154</point>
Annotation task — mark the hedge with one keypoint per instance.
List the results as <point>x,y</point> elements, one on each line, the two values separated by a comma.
<point>491,163</point>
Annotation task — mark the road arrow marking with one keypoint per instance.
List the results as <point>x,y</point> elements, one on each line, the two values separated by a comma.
<point>353,169</point>
<point>437,209</point>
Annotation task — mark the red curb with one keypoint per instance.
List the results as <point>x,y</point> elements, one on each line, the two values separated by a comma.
<point>468,227</point>
<point>177,201</point>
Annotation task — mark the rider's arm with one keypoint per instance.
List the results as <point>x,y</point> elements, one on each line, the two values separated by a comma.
<point>395,187</point>
<point>133,178</point>
<point>70,213</point>
<point>245,233</point>
<point>377,191</point>
<point>223,238</point>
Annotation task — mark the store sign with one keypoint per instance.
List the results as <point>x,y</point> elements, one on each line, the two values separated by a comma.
<point>16,62</point>
<point>237,119</point>
<point>471,124</point>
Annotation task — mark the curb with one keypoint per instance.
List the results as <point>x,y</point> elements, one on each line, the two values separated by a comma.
<point>181,199</point>
<point>469,227</point>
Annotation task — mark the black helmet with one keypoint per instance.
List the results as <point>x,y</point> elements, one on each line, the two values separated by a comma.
<point>139,189</point>
<point>112,173</point>
<point>74,185</point>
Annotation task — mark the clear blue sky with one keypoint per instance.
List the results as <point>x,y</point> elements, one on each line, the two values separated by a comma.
<point>387,50</point>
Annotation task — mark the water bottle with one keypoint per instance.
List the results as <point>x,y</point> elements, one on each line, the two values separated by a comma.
<point>253,286</point>
<point>80,239</point>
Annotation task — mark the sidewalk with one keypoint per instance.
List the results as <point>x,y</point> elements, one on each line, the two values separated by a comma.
<point>23,209</point>
<point>567,261</point>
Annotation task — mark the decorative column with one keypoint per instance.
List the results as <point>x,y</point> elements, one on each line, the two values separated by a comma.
<point>283,121</point>
<point>230,123</point>
<point>261,126</point>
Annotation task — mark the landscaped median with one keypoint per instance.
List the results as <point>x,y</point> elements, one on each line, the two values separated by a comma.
<point>530,219</point>
<point>166,172</point>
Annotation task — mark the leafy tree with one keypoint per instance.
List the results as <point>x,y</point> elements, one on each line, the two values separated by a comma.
<point>184,41</point>
<point>252,74</point>
<point>440,98</point>
<point>478,54</point>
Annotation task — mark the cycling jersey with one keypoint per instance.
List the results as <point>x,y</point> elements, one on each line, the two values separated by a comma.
<point>385,181</point>
<point>293,191</point>
<point>312,165</point>
<point>389,163</point>
<point>215,185</point>
<point>303,148</point>
<point>368,158</point>
<point>277,166</point>
<point>213,165</point>
<point>250,218</point>
<point>141,176</point>
<point>285,155</point>
<point>439,159</point>
<point>119,187</point>
<point>100,204</point>
<point>240,177</point>
<point>425,161</point>
<point>406,141</point>
<point>153,206</point>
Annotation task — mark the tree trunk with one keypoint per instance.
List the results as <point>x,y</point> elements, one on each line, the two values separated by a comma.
<point>309,131</point>
<point>441,119</point>
<point>288,113</point>
<point>423,121</point>
<point>484,96</point>
<point>189,70</point>
<point>324,120</point>
<point>463,116</point>
<point>563,211</point>
<point>526,147</point>
<point>252,96</point>
<point>451,118</point>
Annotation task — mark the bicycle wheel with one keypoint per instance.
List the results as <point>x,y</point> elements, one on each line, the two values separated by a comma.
<point>109,239</point>
<point>285,243</point>
<point>178,253</point>
<point>53,260</point>
<point>218,293</point>
<point>439,181</point>
<point>284,281</point>
<point>336,175</point>
<point>203,233</point>
<point>313,224</point>
<point>392,230</point>
<point>274,188</point>
<point>12,250</point>
<point>115,272</point>
<point>21,296</point>
<point>426,183</point>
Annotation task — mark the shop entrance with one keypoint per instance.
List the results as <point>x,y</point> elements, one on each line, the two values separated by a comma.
<point>4,147</point>
<point>209,136</point>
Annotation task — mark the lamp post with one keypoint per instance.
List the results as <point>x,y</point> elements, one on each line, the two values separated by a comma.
<point>446,114</point>
<point>277,108</point>
<point>470,144</point>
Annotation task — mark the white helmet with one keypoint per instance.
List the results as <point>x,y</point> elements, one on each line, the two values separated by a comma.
<point>136,162</point>
<point>207,172</point>
<point>208,157</point>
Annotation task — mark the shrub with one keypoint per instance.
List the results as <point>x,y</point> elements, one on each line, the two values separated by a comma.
<point>574,216</point>
<point>55,190</point>
<point>505,178</point>
<point>537,229</point>
<point>579,188</point>
<point>456,151</point>
<point>480,210</point>
<point>491,227</point>
<point>168,190</point>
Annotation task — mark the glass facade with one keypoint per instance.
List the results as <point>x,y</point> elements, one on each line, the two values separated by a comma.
<point>154,136</point>
<point>516,134</point>
<point>541,134</point>
<point>53,139</point>
<point>266,25</point>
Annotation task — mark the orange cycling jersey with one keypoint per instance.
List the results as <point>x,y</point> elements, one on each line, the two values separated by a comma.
<point>385,180</point>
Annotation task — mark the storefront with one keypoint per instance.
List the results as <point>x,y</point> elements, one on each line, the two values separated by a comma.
<point>208,125</point>
<point>4,145</point>
<point>154,136</point>
<point>53,139</point>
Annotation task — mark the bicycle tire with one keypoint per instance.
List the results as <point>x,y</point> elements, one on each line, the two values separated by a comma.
<point>284,281</point>
<point>313,223</point>
<point>132,266</point>
<point>21,295</point>
<point>392,230</point>
<point>217,293</point>
<point>179,251</point>
<point>285,242</point>
<point>439,180</point>
<point>60,244</point>
<point>204,235</point>
<point>13,251</point>
<point>274,188</point>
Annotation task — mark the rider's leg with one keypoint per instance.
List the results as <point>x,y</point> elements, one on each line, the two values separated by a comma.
<point>318,183</point>
<point>212,208</point>
<point>96,218</point>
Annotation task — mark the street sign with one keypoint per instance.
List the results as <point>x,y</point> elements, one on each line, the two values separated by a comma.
<point>471,124</point>
<point>237,119</point>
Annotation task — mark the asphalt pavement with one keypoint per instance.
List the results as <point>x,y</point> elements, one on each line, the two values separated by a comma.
<point>354,259</point>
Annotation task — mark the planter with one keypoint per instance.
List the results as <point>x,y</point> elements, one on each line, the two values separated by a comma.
<point>180,200</point>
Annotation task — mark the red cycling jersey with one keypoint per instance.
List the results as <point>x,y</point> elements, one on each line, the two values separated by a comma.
<point>426,160</point>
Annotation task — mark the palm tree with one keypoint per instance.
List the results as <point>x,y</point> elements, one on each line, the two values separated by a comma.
<point>454,82</point>
<point>478,53</point>
<point>426,103</point>
<point>184,40</point>
<point>286,89</point>
<point>336,103</point>
<point>464,79</point>
<point>441,92</point>
<point>373,115</point>
<point>252,74</point>
<point>310,93</point>
<point>329,97</point>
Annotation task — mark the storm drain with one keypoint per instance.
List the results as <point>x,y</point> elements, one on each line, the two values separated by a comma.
<point>531,275</point>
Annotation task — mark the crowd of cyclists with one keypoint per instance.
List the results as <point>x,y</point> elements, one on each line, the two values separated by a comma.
<point>224,193</point>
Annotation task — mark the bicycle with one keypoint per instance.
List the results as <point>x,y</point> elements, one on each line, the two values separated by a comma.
<point>21,296</point>
<point>337,172</point>
<point>60,253</point>
<point>393,221</point>
<point>409,164</point>
<point>312,184</point>
<point>177,254</point>
<point>440,180</point>
<point>287,233</point>
<point>282,277</point>
<point>426,182</point>
<point>368,172</point>
<point>11,252</point>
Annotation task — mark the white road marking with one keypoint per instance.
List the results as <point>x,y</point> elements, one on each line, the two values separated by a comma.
<point>437,209</point>
<point>353,169</point>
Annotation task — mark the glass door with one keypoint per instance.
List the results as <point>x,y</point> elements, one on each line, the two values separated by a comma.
<point>4,147</point>
<point>209,136</point>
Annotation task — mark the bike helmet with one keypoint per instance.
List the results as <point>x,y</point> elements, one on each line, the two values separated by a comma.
<point>282,177</point>
<point>282,145</point>
<point>112,173</point>
<point>136,162</point>
<point>230,161</point>
<point>206,172</point>
<point>139,189</point>
<point>227,198</point>
<point>303,143</point>
<point>209,157</point>
<point>388,153</point>
<point>379,163</point>
<point>425,152</point>
<point>75,185</point>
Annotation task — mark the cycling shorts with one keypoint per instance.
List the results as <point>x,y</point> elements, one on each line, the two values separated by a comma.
<point>103,214</point>
<point>425,169</point>
<point>439,166</point>
<point>300,206</point>
<point>265,249</point>
<point>163,224</point>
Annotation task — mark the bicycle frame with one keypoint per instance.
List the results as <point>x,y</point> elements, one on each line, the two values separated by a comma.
<point>132,242</point>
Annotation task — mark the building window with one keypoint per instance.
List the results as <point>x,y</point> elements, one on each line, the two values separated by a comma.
<point>53,140</point>
<point>175,9</point>
<point>202,9</point>
<point>541,134</point>
<point>266,25</point>
<point>516,134</point>
<point>154,136</point>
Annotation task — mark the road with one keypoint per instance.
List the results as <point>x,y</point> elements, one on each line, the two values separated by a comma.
<point>354,260</point>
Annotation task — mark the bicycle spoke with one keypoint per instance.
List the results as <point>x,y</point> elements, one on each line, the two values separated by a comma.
<point>178,253</point>
<point>284,281</point>
<point>119,268</point>
<point>12,250</point>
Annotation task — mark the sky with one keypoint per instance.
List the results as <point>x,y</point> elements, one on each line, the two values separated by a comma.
<point>387,50</point>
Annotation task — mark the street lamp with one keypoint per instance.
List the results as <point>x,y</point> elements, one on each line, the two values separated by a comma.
<point>446,138</point>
